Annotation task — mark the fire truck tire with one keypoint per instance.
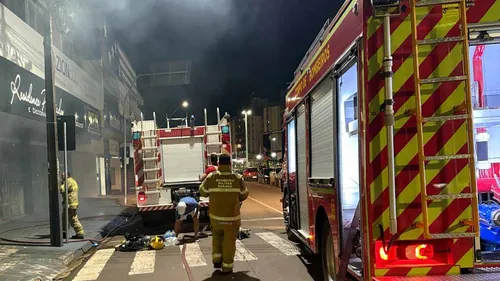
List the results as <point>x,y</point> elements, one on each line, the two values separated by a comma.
<point>327,253</point>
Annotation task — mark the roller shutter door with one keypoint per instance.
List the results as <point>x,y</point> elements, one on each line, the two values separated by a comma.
<point>301,170</point>
<point>322,131</point>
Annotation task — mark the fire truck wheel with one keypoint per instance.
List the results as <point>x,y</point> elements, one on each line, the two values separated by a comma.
<point>327,253</point>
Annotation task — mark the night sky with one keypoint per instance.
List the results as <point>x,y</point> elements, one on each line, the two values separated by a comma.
<point>238,47</point>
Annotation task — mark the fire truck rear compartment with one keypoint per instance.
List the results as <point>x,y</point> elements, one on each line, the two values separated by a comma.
<point>490,274</point>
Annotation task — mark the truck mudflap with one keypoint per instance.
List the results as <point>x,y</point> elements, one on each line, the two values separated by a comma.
<point>165,207</point>
<point>483,274</point>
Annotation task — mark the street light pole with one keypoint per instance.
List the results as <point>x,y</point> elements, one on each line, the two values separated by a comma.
<point>55,216</point>
<point>246,113</point>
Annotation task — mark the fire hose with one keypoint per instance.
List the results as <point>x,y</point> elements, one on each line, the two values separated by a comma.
<point>41,243</point>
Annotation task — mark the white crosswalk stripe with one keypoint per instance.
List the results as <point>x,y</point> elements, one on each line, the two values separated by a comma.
<point>242,253</point>
<point>194,256</point>
<point>279,243</point>
<point>94,266</point>
<point>144,263</point>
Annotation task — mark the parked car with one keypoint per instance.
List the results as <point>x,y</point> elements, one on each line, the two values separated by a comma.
<point>275,176</point>
<point>250,174</point>
<point>264,175</point>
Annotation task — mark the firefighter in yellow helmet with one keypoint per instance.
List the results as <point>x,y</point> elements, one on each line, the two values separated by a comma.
<point>73,206</point>
<point>226,191</point>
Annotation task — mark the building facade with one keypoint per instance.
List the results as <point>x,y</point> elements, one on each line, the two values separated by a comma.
<point>272,122</point>
<point>80,84</point>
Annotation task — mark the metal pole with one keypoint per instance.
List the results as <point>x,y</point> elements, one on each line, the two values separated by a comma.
<point>389,123</point>
<point>125,158</point>
<point>54,213</point>
<point>66,182</point>
<point>246,139</point>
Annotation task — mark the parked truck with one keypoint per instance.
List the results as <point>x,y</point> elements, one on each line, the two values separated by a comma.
<point>387,132</point>
<point>168,162</point>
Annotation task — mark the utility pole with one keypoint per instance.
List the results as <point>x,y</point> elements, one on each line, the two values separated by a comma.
<point>54,213</point>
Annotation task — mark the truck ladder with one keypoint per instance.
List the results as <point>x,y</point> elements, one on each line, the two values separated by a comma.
<point>213,136</point>
<point>460,112</point>
<point>150,150</point>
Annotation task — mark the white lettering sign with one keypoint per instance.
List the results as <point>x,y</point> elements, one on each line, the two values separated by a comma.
<point>36,104</point>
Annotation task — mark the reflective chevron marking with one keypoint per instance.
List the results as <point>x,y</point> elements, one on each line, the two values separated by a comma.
<point>285,247</point>
<point>94,266</point>
<point>144,263</point>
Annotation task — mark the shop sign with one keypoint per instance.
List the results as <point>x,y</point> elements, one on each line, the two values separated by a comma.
<point>22,45</point>
<point>23,94</point>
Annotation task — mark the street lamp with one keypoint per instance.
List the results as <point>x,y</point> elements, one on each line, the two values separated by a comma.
<point>184,104</point>
<point>273,155</point>
<point>259,157</point>
<point>273,139</point>
<point>246,113</point>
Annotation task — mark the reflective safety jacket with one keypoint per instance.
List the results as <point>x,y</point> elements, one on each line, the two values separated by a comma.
<point>226,191</point>
<point>72,192</point>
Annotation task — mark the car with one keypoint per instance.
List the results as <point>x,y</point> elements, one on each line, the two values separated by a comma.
<point>250,174</point>
<point>265,175</point>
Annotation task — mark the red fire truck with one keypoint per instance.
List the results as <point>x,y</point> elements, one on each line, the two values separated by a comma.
<point>168,162</point>
<point>383,136</point>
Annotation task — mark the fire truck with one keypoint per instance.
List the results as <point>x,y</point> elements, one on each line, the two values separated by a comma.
<point>168,162</point>
<point>392,131</point>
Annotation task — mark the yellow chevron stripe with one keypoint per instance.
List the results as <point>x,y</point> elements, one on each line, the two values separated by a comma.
<point>419,271</point>
<point>397,38</point>
<point>413,190</point>
<point>381,272</point>
<point>404,157</point>
<point>492,15</point>
<point>467,261</point>
<point>325,42</point>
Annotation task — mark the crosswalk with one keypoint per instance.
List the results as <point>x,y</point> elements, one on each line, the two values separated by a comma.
<point>196,255</point>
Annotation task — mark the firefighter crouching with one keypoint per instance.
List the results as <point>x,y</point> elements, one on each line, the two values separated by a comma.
<point>73,206</point>
<point>226,191</point>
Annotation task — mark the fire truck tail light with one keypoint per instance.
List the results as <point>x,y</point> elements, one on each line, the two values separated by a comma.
<point>141,196</point>
<point>383,255</point>
<point>420,252</point>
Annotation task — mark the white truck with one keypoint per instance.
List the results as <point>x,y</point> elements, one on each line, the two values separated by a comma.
<point>168,162</point>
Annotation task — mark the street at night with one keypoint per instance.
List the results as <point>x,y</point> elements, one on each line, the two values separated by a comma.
<point>266,255</point>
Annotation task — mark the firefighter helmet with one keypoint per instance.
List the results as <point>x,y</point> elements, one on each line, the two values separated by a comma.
<point>157,243</point>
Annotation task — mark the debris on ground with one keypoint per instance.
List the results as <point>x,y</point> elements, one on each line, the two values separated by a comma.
<point>243,233</point>
<point>133,243</point>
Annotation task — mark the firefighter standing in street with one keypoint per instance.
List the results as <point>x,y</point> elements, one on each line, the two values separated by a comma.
<point>226,191</point>
<point>73,206</point>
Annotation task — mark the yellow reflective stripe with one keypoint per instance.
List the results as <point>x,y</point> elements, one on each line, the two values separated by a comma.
<point>244,192</point>
<point>228,265</point>
<point>202,188</point>
<point>225,190</point>
<point>224,218</point>
<point>215,256</point>
<point>225,173</point>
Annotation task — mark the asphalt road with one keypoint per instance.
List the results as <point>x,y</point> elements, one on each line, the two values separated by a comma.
<point>267,255</point>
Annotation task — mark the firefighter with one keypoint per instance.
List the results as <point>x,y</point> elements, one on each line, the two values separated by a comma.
<point>212,167</point>
<point>187,206</point>
<point>73,206</point>
<point>226,191</point>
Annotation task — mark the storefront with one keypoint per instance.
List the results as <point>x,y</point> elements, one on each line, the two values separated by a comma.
<point>23,174</point>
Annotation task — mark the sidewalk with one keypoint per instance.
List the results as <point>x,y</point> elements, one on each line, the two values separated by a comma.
<point>22,261</point>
